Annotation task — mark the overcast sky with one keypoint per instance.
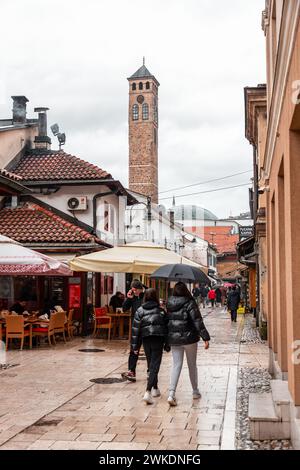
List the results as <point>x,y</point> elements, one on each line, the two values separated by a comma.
<point>75,57</point>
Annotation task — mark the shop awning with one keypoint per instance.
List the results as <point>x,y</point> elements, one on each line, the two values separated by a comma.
<point>17,260</point>
<point>140,257</point>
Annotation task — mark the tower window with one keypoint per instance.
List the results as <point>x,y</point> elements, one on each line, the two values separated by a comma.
<point>140,85</point>
<point>155,136</point>
<point>145,110</point>
<point>135,112</point>
<point>133,86</point>
<point>147,86</point>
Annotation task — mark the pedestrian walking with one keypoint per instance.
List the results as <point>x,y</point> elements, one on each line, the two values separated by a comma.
<point>196,292</point>
<point>150,328</point>
<point>218,296</point>
<point>233,302</point>
<point>212,297</point>
<point>206,291</point>
<point>185,328</point>
<point>133,302</point>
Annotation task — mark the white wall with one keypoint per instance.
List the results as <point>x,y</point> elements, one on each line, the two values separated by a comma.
<point>59,200</point>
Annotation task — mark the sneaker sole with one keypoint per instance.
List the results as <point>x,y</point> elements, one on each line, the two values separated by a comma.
<point>131,379</point>
<point>172,403</point>
<point>148,402</point>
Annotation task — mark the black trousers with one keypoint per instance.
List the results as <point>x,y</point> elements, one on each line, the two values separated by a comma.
<point>153,347</point>
<point>233,314</point>
<point>132,361</point>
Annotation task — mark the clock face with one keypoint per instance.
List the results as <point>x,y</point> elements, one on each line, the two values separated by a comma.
<point>140,99</point>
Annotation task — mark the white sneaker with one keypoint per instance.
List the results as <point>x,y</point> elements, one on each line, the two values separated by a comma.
<point>196,395</point>
<point>172,401</point>
<point>155,392</point>
<point>148,398</point>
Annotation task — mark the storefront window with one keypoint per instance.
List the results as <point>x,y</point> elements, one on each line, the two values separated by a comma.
<point>18,288</point>
<point>107,284</point>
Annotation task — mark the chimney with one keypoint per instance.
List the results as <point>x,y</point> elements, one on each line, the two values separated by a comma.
<point>42,141</point>
<point>19,109</point>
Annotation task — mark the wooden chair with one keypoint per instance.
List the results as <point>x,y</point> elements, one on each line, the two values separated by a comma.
<point>16,328</point>
<point>69,327</point>
<point>102,321</point>
<point>2,331</point>
<point>47,331</point>
<point>59,324</point>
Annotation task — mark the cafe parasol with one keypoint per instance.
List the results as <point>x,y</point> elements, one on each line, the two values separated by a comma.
<point>17,260</point>
<point>140,257</point>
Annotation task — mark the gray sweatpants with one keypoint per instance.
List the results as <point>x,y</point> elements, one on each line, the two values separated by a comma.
<point>191,357</point>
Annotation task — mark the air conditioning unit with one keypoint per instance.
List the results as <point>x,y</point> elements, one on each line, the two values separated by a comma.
<point>78,203</point>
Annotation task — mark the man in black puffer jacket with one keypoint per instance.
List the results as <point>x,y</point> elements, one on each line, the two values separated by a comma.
<point>150,327</point>
<point>233,302</point>
<point>185,328</point>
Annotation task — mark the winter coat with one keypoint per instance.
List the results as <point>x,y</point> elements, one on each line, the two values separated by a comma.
<point>185,323</point>
<point>233,300</point>
<point>218,295</point>
<point>212,295</point>
<point>149,320</point>
<point>133,304</point>
<point>196,292</point>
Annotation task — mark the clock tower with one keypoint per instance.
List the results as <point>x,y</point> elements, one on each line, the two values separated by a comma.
<point>143,133</point>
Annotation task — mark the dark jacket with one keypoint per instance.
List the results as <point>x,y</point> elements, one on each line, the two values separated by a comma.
<point>133,304</point>
<point>218,294</point>
<point>185,323</point>
<point>149,320</point>
<point>116,302</point>
<point>233,300</point>
<point>196,292</point>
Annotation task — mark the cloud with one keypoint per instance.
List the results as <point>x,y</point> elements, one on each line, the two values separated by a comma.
<point>75,58</point>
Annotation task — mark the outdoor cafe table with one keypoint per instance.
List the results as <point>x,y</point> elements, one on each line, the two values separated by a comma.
<point>31,319</point>
<point>121,316</point>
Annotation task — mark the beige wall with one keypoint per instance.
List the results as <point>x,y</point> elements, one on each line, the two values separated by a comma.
<point>13,141</point>
<point>283,217</point>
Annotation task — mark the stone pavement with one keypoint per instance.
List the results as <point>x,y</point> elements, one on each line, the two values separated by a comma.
<point>48,401</point>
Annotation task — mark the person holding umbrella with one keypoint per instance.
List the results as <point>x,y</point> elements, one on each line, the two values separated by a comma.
<point>185,328</point>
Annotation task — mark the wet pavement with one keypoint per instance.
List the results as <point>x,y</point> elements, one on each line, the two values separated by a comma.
<point>48,401</point>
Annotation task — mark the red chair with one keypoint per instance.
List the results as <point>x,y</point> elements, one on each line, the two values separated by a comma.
<point>102,321</point>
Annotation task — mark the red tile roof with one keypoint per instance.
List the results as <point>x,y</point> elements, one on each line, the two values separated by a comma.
<point>32,223</point>
<point>57,166</point>
<point>8,174</point>
<point>220,236</point>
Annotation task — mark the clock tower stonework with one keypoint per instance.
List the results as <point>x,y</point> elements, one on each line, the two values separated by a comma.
<point>143,133</point>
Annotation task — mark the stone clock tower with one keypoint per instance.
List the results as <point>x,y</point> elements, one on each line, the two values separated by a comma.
<point>143,133</point>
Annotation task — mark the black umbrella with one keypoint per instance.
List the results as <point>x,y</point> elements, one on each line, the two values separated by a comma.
<point>180,272</point>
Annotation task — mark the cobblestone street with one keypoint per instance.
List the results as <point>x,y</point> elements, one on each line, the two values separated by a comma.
<point>48,401</point>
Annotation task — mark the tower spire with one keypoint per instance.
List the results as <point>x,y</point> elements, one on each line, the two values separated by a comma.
<point>143,60</point>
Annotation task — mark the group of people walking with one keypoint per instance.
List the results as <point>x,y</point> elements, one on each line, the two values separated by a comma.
<point>205,295</point>
<point>178,329</point>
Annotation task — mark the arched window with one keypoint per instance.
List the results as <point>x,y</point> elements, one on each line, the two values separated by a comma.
<point>145,110</point>
<point>147,85</point>
<point>140,85</point>
<point>135,112</point>
<point>133,86</point>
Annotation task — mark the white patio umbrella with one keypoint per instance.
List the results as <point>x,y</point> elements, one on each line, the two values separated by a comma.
<point>17,260</point>
<point>141,257</point>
